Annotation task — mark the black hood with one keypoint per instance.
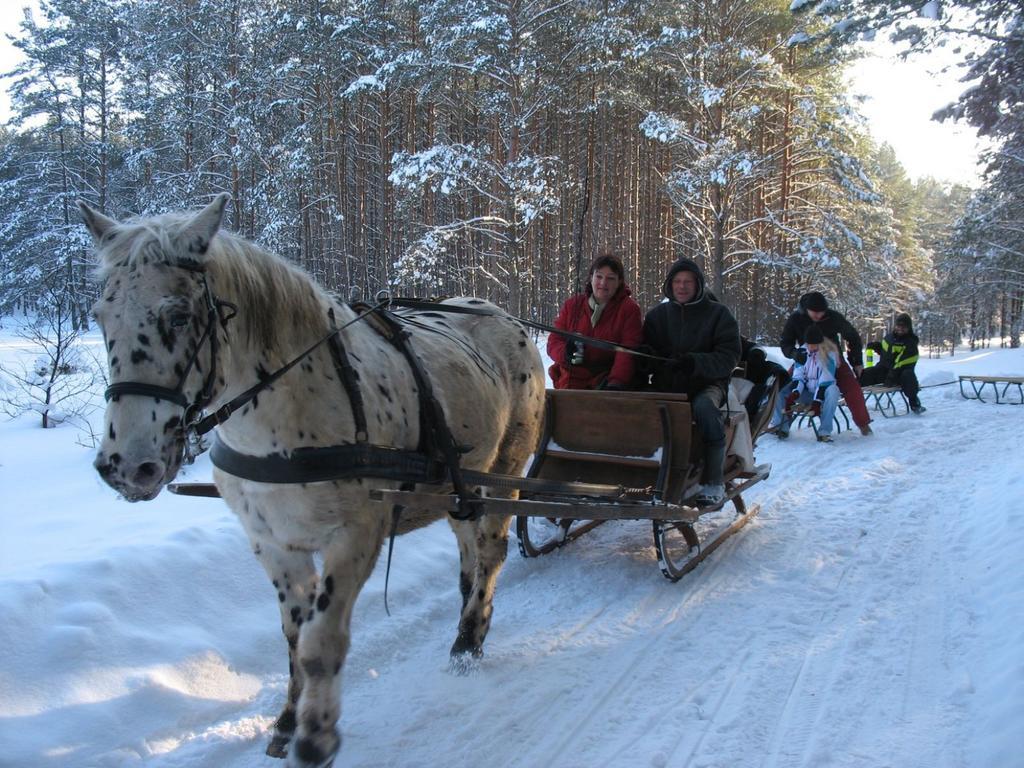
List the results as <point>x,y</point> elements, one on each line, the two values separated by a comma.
<point>685,265</point>
<point>904,319</point>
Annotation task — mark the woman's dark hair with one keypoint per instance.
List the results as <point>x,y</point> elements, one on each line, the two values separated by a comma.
<point>610,260</point>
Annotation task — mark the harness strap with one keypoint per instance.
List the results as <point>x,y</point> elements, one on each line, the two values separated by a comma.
<point>434,425</point>
<point>336,462</point>
<point>350,381</point>
<point>146,390</point>
<point>358,460</point>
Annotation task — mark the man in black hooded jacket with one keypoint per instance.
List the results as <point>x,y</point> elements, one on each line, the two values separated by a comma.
<point>702,339</point>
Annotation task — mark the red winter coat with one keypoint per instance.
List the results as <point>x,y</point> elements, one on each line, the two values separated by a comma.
<point>619,323</point>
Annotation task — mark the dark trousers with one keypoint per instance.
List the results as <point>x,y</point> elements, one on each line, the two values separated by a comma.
<point>904,378</point>
<point>706,413</point>
<point>874,375</point>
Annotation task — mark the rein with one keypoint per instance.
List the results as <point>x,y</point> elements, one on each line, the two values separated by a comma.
<point>438,454</point>
<point>433,306</point>
<point>222,414</point>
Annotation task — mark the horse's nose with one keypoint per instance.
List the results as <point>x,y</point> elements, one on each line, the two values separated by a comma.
<point>147,474</point>
<point>136,481</point>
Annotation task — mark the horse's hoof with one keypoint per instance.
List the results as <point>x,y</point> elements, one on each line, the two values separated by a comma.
<point>278,746</point>
<point>307,753</point>
<point>465,663</point>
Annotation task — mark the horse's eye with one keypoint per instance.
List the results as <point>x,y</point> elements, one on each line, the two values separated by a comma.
<point>180,319</point>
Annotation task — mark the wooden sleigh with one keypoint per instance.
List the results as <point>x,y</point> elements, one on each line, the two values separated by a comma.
<point>607,456</point>
<point>619,456</point>
<point>1000,386</point>
<point>642,441</point>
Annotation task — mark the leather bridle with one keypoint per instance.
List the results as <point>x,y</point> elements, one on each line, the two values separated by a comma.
<point>218,312</point>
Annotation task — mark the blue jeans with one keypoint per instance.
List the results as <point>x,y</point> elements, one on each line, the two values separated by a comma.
<point>829,403</point>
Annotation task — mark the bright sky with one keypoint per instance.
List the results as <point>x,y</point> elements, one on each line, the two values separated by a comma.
<point>902,95</point>
<point>901,98</point>
<point>10,14</point>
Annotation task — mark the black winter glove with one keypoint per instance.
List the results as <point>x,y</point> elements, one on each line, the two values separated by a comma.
<point>573,348</point>
<point>800,356</point>
<point>683,363</point>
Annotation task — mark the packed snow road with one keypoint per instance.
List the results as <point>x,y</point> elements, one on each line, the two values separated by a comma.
<point>869,616</point>
<point>840,628</point>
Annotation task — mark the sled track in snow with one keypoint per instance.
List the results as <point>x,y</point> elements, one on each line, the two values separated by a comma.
<point>850,641</point>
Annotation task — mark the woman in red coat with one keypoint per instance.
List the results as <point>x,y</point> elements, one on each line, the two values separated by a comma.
<point>605,311</point>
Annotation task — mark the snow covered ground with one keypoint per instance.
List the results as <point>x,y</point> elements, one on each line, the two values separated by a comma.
<point>869,616</point>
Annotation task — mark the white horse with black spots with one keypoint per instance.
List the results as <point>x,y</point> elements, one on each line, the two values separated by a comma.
<point>169,284</point>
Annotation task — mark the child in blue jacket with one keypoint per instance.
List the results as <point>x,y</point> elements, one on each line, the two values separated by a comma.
<point>813,381</point>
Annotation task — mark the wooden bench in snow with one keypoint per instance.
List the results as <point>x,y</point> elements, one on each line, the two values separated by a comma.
<point>1000,385</point>
<point>883,399</point>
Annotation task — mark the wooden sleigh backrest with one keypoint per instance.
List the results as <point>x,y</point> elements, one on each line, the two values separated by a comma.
<point>617,438</point>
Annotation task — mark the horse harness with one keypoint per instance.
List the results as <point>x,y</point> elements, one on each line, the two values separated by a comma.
<point>436,458</point>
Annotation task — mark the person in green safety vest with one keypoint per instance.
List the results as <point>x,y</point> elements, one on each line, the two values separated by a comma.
<point>899,357</point>
<point>873,372</point>
<point>872,354</point>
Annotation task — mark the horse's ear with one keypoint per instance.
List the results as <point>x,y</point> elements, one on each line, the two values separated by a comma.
<point>204,225</point>
<point>97,223</point>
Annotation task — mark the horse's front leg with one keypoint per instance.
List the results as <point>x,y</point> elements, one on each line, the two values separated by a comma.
<point>294,577</point>
<point>482,548</point>
<point>324,642</point>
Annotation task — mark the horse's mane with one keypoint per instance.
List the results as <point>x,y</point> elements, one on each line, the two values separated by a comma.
<point>276,299</point>
<point>277,296</point>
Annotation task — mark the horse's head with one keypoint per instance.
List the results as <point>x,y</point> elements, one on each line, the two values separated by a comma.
<point>160,324</point>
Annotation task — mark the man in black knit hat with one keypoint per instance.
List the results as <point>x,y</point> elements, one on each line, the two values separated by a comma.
<point>814,310</point>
